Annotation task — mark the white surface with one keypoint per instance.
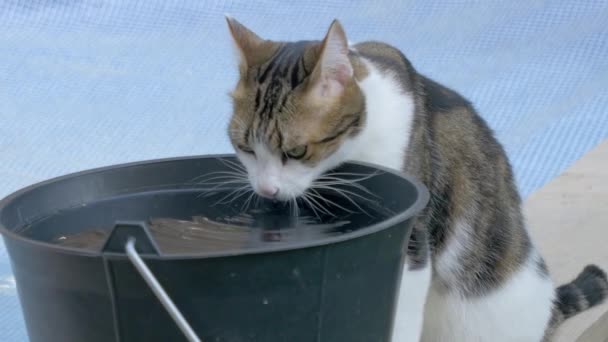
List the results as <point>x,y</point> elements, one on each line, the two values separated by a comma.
<point>569,221</point>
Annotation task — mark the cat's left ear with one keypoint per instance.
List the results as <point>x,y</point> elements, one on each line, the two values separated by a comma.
<point>333,70</point>
<point>252,49</point>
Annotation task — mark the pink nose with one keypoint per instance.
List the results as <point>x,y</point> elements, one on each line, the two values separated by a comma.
<point>269,191</point>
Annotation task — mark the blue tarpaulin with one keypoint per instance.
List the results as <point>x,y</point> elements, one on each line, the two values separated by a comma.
<point>91,83</point>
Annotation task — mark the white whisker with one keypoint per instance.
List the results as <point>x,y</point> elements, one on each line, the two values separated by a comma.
<point>320,206</point>
<point>326,200</point>
<point>345,193</point>
<point>232,194</point>
<point>247,202</point>
<point>233,165</point>
<point>305,199</point>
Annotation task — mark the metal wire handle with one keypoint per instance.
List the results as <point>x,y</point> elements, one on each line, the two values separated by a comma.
<point>158,290</point>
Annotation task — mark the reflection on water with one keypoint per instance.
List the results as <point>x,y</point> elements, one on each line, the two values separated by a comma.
<point>182,222</point>
<point>242,231</point>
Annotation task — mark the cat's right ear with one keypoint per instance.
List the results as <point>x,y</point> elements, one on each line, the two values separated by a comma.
<point>333,70</point>
<point>250,47</point>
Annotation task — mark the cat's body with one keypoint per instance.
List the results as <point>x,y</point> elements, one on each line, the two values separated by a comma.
<point>472,272</point>
<point>482,264</point>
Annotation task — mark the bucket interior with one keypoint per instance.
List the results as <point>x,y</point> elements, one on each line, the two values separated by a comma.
<point>195,206</point>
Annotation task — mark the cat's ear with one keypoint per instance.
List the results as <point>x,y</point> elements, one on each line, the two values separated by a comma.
<point>251,48</point>
<point>333,70</point>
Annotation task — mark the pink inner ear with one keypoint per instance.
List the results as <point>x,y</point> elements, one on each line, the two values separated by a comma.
<point>333,81</point>
<point>330,88</point>
<point>333,69</point>
<point>343,73</point>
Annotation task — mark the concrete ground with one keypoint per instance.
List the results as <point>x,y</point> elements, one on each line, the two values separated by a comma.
<point>568,219</point>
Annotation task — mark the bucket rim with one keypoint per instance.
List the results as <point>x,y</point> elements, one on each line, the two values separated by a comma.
<point>422,199</point>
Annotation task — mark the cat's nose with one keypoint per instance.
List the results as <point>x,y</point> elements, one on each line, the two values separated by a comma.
<point>269,191</point>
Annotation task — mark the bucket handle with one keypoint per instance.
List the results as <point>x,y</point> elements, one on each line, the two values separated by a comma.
<point>129,231</point>
<point>158,290</point>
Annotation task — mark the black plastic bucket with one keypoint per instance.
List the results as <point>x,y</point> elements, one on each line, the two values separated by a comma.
<point>275,284</point>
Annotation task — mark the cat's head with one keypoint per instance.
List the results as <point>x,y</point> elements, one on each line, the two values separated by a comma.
<point>296,109</point>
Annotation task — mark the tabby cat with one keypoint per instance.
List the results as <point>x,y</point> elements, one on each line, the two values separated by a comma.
<point>472,272</point>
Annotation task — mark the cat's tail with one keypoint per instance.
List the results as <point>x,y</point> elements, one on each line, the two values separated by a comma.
<point>588,289</point>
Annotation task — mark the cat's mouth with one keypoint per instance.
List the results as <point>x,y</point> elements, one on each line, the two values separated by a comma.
<point>283,191</point>
<point>282,195</point>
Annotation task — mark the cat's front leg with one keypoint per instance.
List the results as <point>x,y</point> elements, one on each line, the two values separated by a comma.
<point>415,283</point>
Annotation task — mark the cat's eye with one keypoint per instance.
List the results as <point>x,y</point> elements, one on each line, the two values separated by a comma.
<point>245,149</point>
<point>297,152</point>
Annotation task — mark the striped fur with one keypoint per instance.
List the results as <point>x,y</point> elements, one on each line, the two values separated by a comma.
<point>302,108</point>
<point>587,290</point>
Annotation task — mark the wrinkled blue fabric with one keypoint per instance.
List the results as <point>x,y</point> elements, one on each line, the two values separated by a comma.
<point>91,83</point>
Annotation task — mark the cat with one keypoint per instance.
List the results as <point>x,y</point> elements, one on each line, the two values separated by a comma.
<point>472,272</point>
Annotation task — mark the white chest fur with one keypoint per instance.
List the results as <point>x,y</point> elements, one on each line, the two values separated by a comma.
<point>390,113</point>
